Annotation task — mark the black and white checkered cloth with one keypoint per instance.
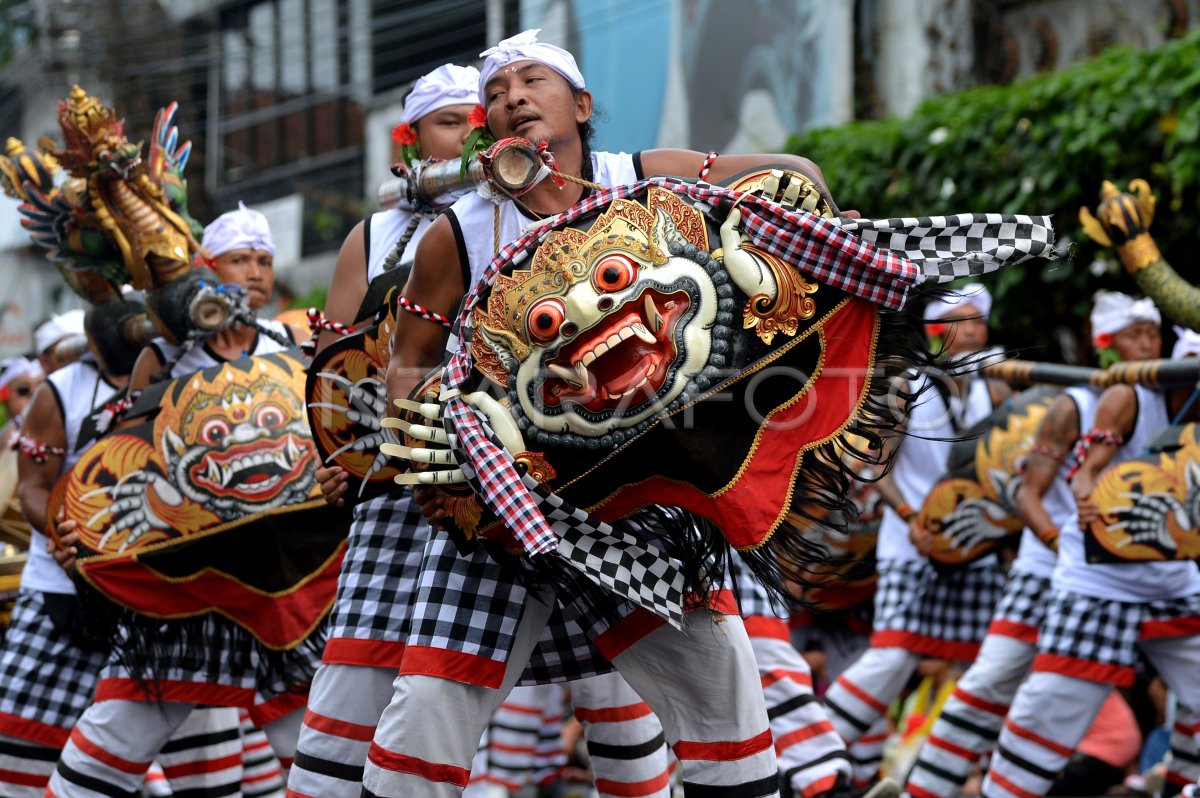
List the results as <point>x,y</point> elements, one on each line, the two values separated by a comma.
<point>43,676</point>
<point>469,603</point>
<point>1091,629</point>
<point>1107,632</point>
<point>379,572</point>
<point>954,606</point>
<point>946,248</point>
<point>1024,599</point>
<point>610,558</point>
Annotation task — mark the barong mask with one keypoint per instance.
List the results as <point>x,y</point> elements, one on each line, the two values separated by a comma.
<point>680,344</point>
<point>609,326</point>
<point>174,513</point>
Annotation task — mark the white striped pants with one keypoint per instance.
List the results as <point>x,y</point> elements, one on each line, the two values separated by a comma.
<point>262,770</point>
<point>27,767</point>
<point>625,740</point>
<point>842,649</point>
<point>1052,712</point>
<point>859,697</point>
<point>811,754</point>
<point>523,742</point>
<point>113,743</point>
<point>971,718</point>
<point>702,684</point>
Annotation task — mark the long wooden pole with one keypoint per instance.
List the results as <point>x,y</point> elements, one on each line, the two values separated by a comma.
<point>1152,373</point>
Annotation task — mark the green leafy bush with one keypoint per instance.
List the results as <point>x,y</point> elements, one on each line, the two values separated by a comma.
<point>1039,146</point>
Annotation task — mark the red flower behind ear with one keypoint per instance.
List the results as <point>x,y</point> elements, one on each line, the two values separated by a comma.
<point>477,117</point>
<point>1103,340</point>
<point>404,134</point>
<point>934,330</point>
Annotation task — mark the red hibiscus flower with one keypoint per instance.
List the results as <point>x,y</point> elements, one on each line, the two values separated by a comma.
<point>478,116</point>
<point>404,134</point>
<point>934,330</point>
<point>1103,340</point>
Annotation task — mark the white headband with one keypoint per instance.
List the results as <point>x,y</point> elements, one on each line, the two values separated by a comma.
<point>17,367</point>
<point>1113,312</point>
<point>1187,345</point>
<point>244,228</point>
<point>449,84</point>
<point>525,47</point>
<point>970,294</point>
<point>63,325</point>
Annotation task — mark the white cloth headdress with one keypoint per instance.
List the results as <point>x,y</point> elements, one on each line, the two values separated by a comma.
<point>1188,344</point>
<point>973,294</point>
<point>15,368</point>
<point>525,47</point>
<point>60,326</point>
<point>449,84</point>
<point>1113,311</point>
<point>244,228</point>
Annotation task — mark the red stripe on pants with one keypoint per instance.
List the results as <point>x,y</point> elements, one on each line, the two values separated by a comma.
<point>430,771</point>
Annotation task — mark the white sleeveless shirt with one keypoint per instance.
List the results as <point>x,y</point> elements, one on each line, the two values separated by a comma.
<point>383,230</point>
<point>472,216</point>
<point>1135,581</point>
<point>1033,556</point>
<point>79,388</point>
<point>201,357</point>
<point>921,462</point>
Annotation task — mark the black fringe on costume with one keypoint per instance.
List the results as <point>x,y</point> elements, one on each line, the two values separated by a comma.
<point>822,496</point>
<point>208,644</point>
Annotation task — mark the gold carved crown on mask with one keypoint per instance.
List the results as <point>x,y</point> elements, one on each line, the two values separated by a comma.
<point>568,256</point>
<point>84,119</point>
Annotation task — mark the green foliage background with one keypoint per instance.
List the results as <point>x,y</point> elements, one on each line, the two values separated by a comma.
<point>1039,146</point>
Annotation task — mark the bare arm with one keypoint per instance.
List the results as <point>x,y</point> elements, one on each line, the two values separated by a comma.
<point>148,364</point>
<point>348,286</point>
<point>687,163</point>
<point>435,283</point>
<point>998,390</point>
<point>1055,437</point>
<point>1116,411</point>
<point>43,423</point>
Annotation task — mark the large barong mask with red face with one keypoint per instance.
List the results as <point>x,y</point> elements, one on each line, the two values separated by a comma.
<point>676,344</point>
<point>177,514</point>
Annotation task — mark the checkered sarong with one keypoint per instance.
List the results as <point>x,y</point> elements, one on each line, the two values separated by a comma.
<point>472,604</point>
<point>1090,629</point>
<point>379,572</point>
<point>43,676</point>
<point>822,249</point>
<point>1024,599</point>
<point>954,606</point>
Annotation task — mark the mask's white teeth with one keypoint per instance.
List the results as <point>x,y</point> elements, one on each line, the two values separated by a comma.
<point>582,374</point>
<point>565,374</point>
<point>213,474</point>
<point>652,315</point>
<point>641,332</point>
